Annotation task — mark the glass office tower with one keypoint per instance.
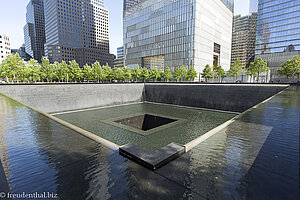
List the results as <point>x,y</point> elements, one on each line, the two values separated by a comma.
<point>34,30</point>
<point>77,30</point>
<point>243,38</point>
<point>178,32</point>
<point>129,3</point>
<point>278,31</point>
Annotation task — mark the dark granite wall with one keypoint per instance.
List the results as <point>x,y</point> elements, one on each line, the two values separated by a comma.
<point>226,97</point>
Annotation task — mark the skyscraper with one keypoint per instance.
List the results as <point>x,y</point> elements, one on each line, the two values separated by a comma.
<point>179,32</point>
<point>278,32</point>
<point>243,38</point>
<point>77,30</point>
<point>253,6</point>
<point>34,30</point>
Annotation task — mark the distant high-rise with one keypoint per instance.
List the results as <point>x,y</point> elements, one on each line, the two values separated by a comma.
<point>253,6</point>
<point>34,30</point>
<point>4,47</point>
<point>278,32</point>
<point>120,52</point>
<point>77,30</point>
<point>243,38</point>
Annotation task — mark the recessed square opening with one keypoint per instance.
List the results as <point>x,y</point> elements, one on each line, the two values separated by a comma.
<point>145,122</point>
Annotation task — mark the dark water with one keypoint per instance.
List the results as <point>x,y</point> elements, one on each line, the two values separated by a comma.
<point>194,123</point>
<point>256,157</point>
<point>145,122</point>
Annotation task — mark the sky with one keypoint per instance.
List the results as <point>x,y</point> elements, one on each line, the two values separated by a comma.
<point>13,12</point>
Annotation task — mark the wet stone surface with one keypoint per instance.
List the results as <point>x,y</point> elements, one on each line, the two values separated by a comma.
<point>256,157</point>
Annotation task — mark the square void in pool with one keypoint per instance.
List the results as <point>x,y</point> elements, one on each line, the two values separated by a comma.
<point>145,122</point>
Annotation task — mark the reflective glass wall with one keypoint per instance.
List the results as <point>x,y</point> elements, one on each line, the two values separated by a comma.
<point>159,29</point>
<point>278,26</point>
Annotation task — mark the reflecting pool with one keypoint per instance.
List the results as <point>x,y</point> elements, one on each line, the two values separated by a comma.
<point>185,124</point>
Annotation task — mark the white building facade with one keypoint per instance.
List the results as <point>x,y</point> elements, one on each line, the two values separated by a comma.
<point>171,33</point>
<point>4,47</point>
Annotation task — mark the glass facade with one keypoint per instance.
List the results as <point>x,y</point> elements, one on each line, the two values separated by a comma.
<point>129,3</point>
<point>243,38</point>
<point>34,30</point>
<point>160,28</point>
<point>177,32</point>
<point>278,26</point>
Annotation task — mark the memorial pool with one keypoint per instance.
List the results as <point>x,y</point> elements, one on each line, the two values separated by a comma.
<point>186,124</point>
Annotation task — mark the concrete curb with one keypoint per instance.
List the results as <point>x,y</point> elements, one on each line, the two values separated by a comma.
<point>83,132</point>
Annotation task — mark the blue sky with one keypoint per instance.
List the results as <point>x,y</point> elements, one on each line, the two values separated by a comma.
<point>12,20</point>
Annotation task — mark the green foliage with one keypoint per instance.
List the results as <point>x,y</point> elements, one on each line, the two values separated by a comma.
<point>144,74</point>
<point>12,67</point>
<point>161,75</point>
<point>98,72</point>
<point>87,72</point>
<point>290,68</point>
<point>180,73</point>
<point>207,73</point>
<point>75,72</point>
<point>136,73</point>
<point>260,66</point>
<point>108,73</point>
<point>154,74</point>
<point>168,74</point>
<point>46,69</point>
<point>251,71</point>
<point>192,74</point>
<point>236,69</point>
<point>127,74</point>
<point>220,73</point>
<point>118,74</point>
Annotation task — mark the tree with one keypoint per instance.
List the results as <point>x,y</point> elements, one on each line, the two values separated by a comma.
<point>161,75</point>
<point>191,74</point>
<point>251,71</point>
<point>136,73</point>
<point>144,74</point>
<point>62,71</point>
<point>220,73</point>
<point>34,69</point>
<point>290,68</point>
<point>11,66</point>
<point>154,74</point>
<point>46,69</point>
<point>98,72</point>
<point>87,72</point>
<point>260,66</point>
<point>117,74</point>
<point>108,73</point>
<point>207,73</point>
<point>127,73</point>
<point>75,71</point>
<point>183,72</point>
<point>177,74</point>
<point>55,66</point>
<point>168,75</point>
<point>236,69</point>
